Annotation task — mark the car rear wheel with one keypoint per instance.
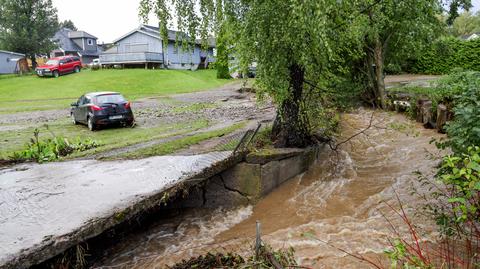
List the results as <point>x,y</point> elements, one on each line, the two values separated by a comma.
<point>130,124</point>
<point>77,69</point>
<point>91,125</point>
<point>55,74</point>
<point>74,120</point>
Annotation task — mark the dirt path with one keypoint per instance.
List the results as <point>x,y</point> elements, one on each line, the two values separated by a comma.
<point>409,79</point>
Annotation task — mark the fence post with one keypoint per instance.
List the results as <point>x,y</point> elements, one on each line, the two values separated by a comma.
<point>258,240</point>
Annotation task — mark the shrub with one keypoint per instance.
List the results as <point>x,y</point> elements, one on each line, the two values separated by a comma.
<point>51,149</point>
<point>464,130</point>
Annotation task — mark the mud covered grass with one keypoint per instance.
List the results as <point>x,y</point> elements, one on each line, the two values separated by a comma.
<point>109,139</point>
<point>266,258</point>
<point>182,143</point>
<point>30,93</point>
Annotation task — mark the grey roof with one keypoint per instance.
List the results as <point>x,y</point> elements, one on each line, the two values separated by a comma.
<point>89,53</point>
<point>155,32</point>
<point>80,34</point>
<point>64,42</point>
<point>12,53</point>
<point>172,35</point>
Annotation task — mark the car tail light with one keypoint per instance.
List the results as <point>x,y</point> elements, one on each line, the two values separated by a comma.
<point>127,105</point>
<point>96,108</point>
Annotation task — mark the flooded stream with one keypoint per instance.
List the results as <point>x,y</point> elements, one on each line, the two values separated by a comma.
<point>340,200</point>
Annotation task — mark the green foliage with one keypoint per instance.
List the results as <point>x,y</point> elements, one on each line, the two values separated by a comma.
<point>461,174</point>
<point>466,24</point>
<point>400,257</point>
<point>68,24</point>
<point>464,130</point>
<point>51,149</point>
<point>447,54</point>
<point>221,61</point>
<point>27,26</point>
<point>262,140</point>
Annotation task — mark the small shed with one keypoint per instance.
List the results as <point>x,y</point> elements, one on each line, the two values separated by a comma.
<point>10,62</point>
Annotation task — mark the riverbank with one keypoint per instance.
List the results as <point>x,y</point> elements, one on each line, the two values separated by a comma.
<point>339,200</point>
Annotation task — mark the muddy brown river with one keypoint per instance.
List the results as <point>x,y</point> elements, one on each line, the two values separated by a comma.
<point>340,201</point>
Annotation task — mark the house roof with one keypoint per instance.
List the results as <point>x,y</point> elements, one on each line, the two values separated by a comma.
<point>80,34</point>
<point>64,41</point>
<point>63,38</point>
<point>89,53</point>
<point>12,53</point>
<point>155,32</point>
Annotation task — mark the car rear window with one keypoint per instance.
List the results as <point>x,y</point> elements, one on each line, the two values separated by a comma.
<point>109,98</point>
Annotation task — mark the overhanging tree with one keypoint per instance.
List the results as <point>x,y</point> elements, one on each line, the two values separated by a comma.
<point>288,39</point>
<point>27,26</point>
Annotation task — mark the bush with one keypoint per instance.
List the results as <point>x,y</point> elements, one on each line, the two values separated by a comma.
<point>393,69</point>
<point>50,149</point>
<point>464,130</point>
<point>446,54</point>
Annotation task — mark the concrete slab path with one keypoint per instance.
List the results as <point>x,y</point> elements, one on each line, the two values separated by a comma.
<point>46,208</point>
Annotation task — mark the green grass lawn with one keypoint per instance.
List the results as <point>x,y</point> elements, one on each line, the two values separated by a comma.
<point>28,93</point>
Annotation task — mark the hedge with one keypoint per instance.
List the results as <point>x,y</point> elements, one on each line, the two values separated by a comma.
<point>447,54</point>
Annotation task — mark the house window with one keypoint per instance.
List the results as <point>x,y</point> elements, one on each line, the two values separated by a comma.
<point>90,42</point>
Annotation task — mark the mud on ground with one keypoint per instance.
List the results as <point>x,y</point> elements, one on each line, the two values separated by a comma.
<point>221,107</point>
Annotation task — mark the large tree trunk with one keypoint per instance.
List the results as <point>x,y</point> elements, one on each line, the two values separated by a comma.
<point>290,127</point>
<point>375,64</point>
<point>379,78</point>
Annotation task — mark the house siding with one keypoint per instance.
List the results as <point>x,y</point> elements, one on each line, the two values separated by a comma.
<point>137,40</point>
<point>6,65</point>
<point>79,42</point>
<point>92,47</point>
<point>146,43</point>
<point>180,59</point>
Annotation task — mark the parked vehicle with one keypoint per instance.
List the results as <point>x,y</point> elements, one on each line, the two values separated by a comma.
<point>95,63</point>
<point>98,109</point>
<point>55,67</point>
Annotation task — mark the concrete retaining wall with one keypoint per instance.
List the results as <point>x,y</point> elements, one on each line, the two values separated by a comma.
<point>250,180</point>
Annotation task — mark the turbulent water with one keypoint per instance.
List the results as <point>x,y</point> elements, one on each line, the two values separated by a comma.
<point>338,205</point>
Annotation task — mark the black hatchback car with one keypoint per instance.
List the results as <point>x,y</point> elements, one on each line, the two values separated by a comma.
<point>102,108</point>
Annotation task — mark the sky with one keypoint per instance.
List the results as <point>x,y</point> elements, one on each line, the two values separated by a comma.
<point>111,19</point>
<point>105,19</point>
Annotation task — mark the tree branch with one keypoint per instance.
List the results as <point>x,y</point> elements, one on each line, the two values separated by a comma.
<point>335,148</point>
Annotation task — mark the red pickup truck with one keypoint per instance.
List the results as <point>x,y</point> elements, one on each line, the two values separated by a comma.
<point>55,67</point>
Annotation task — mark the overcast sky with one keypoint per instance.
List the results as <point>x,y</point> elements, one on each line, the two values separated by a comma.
<point>105,19</point>
<point>110,19</point>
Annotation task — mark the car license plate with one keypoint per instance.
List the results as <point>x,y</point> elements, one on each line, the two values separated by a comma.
<point>116,117</point>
